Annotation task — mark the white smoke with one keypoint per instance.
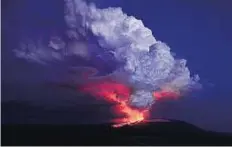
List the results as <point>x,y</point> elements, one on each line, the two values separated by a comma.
<point>38,52</point>
<point>141,99</point>
<point>147,62</point>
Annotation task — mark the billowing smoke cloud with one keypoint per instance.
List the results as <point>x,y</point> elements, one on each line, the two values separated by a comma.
<point>147,64</point>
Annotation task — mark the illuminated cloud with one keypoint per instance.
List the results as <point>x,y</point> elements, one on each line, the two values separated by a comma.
<point>147,63</point>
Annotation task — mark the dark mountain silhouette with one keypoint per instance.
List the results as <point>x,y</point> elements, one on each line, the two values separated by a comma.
<point>152,132</point>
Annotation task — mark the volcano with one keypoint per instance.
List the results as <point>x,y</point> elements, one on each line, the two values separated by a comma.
<point>153,132</point>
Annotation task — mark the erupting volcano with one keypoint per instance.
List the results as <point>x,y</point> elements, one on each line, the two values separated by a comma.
<point>143,69</point>
<point>120,95</point>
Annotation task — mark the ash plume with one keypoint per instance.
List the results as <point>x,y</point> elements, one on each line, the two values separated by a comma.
<point>143,63</point>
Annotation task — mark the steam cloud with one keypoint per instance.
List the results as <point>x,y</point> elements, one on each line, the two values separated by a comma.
<point>147,63</point>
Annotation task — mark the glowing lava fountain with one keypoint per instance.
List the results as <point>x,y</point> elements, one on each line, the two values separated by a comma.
<point>120,94</point>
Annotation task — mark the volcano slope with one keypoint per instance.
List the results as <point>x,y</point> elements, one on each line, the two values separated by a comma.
<point>161,132</point>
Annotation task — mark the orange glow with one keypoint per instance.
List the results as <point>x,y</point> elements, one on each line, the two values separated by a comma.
<point>119,94</point>
<point>165,94</point>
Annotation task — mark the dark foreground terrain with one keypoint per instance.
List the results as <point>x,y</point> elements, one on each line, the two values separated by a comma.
<point>154,132</point>
<point>151,133</point>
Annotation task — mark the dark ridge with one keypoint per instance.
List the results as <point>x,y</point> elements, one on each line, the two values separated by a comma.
<point>160,133</point>
<point>152,132</point>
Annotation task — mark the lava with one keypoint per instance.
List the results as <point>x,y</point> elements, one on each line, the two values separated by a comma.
<point>119,94</point>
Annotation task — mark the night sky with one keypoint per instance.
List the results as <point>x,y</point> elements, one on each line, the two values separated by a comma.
<point>198,31</point>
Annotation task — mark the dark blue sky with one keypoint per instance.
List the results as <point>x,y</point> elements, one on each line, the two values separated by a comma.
<point>199,31</point>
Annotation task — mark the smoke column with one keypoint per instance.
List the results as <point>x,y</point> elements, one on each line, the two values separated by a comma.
<point>145,69</point>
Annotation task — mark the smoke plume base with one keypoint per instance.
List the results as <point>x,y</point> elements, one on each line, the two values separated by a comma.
<point>119,94</point>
